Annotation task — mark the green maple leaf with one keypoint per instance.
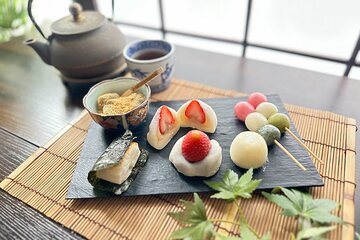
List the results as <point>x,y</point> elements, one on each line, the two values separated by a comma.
<point>194,216</point>
<point>298,204</point>
<point>222,237</point>
<point>267,236</point>
<point>318,210</point>
<point>290,208</point>
<point>310,212</point>
<point>246,233</point>
<point>232,187</point>
<point>313,232</point>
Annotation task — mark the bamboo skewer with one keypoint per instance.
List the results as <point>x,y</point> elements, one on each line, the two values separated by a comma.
<point>147,79</point>
<point>290,155</point>
<point>302,144</point>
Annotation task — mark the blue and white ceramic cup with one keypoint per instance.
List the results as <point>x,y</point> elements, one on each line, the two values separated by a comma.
<point>143,57</point>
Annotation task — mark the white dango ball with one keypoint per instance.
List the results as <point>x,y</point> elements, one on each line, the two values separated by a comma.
<point>249,150</point>
<point>267,109</point>
<point>255,120</point>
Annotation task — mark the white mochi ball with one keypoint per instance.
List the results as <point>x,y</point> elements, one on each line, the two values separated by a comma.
<point>255,120</point>
<point>249,150</point>
<point>267,109</point>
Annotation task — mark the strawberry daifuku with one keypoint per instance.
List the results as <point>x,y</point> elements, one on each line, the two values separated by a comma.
<point>197,114</point>
<point>256,98</point>
<point>196,155</point>
<point>243,109</point>
<point>163,127</point>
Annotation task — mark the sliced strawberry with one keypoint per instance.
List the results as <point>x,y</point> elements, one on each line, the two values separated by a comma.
<point>166,120</point>
<point>195,112</point>
<point>195,146</point>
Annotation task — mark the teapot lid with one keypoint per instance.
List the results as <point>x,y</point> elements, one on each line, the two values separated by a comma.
<point>78,21</point>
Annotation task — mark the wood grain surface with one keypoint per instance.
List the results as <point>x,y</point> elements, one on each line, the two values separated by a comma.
<point>18,221</point>
<point>35,105</point>
<point>12,155</point>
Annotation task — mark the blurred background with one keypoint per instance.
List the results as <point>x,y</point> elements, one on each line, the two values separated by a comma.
<point>317,35</point>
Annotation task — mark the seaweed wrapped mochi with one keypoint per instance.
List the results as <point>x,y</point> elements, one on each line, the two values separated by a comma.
<point>118,166</point>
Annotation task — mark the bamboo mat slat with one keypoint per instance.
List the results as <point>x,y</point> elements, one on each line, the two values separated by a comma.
<point>42,181</point>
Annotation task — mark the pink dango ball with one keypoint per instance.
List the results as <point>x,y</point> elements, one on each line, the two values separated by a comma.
<point>243,109</point>
<point>256,98</point>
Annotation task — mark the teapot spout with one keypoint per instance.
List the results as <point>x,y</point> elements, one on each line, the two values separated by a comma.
<point>42,49</point>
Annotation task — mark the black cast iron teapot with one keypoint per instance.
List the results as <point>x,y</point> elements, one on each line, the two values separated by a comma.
<point>82,45</point>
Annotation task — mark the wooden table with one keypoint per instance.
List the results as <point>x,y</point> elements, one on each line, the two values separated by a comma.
<point>35,105</point>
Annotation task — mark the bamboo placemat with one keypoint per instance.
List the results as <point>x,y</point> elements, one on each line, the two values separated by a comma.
<point>42,181</point>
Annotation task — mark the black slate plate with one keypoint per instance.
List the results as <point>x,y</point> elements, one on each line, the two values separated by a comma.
<point>160,177</point>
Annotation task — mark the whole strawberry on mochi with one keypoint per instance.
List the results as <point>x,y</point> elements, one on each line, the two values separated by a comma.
<point>195,146</point>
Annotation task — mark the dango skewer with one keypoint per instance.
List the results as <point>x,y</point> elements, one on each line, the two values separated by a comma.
<point>290,155</point>
<point>256,118</point>
<point>271,135</point>
<point>256,122</point>
<point>279,120</point>
<point>304,146</point>
<point>282,122</point>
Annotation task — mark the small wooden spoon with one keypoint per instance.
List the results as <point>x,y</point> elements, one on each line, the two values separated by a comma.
<point>147,79</point>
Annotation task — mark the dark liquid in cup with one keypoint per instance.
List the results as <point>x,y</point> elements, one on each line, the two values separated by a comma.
<point>150,55</point>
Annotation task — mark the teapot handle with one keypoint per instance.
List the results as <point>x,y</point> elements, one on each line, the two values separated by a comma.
<point>33,20</point>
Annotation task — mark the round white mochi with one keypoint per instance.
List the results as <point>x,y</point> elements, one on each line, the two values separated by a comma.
<point>249,150</point>
<point>204,168</point>
<point>255,120</point>
<point>267,109</point>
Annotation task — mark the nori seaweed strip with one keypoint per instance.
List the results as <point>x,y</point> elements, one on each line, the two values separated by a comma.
<point>118,189</point>
<point>114,152</point>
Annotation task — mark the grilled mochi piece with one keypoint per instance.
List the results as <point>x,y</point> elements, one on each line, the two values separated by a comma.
<point>118,165</point>
<point>163,127</point>
<point>197,114</point>
<point>119,173</point>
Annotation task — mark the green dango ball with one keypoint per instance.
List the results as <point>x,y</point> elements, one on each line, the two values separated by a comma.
<point>270,133</point>
<point>280,120</point>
